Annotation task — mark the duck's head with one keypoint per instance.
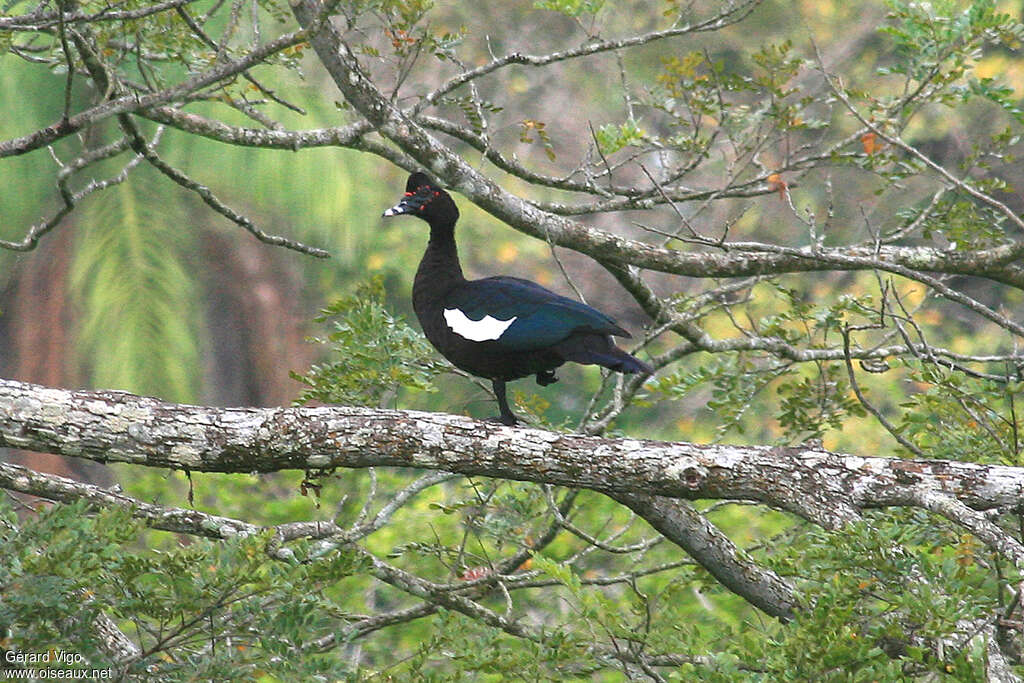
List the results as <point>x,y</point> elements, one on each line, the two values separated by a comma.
<point>423,198</point>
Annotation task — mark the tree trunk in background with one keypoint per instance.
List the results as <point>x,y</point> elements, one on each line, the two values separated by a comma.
<point>253,331</point>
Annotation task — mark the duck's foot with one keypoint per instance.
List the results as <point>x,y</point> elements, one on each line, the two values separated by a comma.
<point>506,418</point>
<point>509,420</point>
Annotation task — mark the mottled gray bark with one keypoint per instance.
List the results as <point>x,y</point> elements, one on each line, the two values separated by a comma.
<point>827,488</point>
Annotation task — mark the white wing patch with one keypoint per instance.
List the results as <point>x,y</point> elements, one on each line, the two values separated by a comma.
<point>487,329</point>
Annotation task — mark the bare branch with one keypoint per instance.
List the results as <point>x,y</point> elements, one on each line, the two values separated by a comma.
<point>134,102</point>
<point>733,13</point>
<point>714,551</point>
<point>70,198</point>
<point>882,420</point>
<point>344,136</point>
<point>145,150</point>
<point>40,21</point>
<point>898,142</point>
<point>411,137</point>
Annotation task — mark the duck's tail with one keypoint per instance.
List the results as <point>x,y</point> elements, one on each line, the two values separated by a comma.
<point>597,349</point>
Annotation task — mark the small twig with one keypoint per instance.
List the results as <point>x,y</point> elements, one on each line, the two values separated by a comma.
<point>898,142</point>
<point>69,60</point>
<point>370,496</point>
<point>135,101</point>
<point>594,541</point>
<point>867,405</point>
<point>732,14</point>
<point>604,159</point>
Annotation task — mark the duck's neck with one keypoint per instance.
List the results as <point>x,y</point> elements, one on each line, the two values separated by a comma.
<point>439,269</point>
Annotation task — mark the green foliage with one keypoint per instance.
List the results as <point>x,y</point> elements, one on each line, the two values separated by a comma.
<point>959,417</point>
<point>705,98</point>
<point>373,354</point>
<point>964,223</point>
<point>887,599</point>
<point>810,399</point>
<point>991,89</point>
<point>940,43</point>
<point>611,138</point>
<point>686,91</point>
<point>44,589</point>
<point>208,610</point>
<point>405,13</point>
<point>878,593</point>
<point>461,649</point>
<point>531,127</point>
<point>944,34</point>
<point>815,404</point>
<point>681,74</point>
<point>406,29</point>
<point>778,66</point>
<point>571,8</point>
<point>471,108</point>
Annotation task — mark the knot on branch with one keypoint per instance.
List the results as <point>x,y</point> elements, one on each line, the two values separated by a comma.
<point>692,477</point>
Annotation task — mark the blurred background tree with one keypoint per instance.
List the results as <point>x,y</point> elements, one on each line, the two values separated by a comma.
<point>819,237</point>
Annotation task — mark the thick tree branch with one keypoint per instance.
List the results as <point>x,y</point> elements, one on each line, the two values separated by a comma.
<point>823,487</point>
<point>714,550</point>
<point>826,488</point>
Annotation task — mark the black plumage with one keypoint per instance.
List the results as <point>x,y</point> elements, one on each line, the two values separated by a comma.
<point>500,328</point>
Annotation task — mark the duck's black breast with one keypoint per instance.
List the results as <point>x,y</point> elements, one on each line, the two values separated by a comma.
<point>503,327</point>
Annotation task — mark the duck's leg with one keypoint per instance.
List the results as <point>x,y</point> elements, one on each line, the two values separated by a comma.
<point>507,418</point>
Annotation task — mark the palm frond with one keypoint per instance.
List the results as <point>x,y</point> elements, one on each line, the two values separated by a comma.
<point>131,280</point>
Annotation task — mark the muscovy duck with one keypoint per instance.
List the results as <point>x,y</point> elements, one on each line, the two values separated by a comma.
<point>499,328</point>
